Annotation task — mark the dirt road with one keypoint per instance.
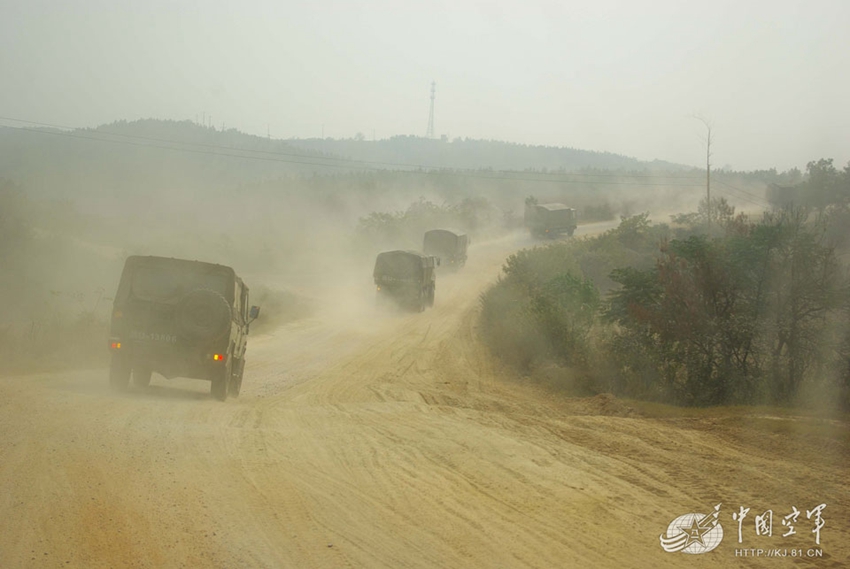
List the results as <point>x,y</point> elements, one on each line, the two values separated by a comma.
<point>395,442</point>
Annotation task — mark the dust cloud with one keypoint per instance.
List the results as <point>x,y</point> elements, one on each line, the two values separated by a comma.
<point>362,436</point>
<point>302,243</point>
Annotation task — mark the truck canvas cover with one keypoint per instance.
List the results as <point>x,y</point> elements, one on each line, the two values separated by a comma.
<point>399,266</point>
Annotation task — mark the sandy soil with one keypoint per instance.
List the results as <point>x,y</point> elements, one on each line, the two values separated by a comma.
<point>394,441</point>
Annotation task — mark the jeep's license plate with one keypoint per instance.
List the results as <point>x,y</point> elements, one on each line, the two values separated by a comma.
<point>153,337</point>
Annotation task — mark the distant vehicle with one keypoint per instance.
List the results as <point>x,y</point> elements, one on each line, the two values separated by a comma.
<point>180,319</point>
<point>406,277</point>
<point>448,245</point>
<point>550,220</point>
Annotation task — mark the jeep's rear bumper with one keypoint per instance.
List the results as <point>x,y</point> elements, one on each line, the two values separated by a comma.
<point>197,362</point>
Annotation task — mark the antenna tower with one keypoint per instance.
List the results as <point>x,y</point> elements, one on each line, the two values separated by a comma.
<point>430,133</point>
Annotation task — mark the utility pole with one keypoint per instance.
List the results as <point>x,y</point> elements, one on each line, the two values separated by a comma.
<point>430,133</point>
<point>707,169</point>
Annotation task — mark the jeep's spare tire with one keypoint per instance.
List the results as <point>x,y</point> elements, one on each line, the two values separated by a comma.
<point>203,315</point>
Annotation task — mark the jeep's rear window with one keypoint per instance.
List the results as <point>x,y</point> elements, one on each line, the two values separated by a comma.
<point>171,283</point>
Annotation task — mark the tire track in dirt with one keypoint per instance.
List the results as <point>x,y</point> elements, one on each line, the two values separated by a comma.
<point>380,441</point>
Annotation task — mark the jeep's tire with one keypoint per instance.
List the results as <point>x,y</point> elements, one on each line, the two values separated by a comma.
<point>142,377</point>
<point>220,383</point>
<point>236,377</point>
<point>119,372</point>
<point>203,315</point>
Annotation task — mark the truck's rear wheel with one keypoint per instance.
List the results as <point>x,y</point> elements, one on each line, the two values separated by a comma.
<point>142,377</point>
<point>119,372</point>
<point>236,377</point>
<point>219,384</point>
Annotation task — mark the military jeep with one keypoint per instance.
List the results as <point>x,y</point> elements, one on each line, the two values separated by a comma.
<point>180,319</point>
<point>406,278</point>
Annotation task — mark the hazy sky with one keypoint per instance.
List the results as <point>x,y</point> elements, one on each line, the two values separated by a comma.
<point>617,76</point>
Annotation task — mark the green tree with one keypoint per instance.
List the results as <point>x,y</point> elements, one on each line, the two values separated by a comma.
<point>826,185</point>
<point>734,319</point>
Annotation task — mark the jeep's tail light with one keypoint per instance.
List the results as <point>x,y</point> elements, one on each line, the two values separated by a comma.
<point>115,345</point>
<point>218,357</point>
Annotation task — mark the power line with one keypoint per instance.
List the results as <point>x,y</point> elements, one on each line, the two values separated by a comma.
<point>306,156</point>
<point>553,181</point>
<point>192,150</point>
<point>420,171</point>
<point>350,166</point>
<point>753,196</point>
<point>200,144</point>
<point>740,198</point>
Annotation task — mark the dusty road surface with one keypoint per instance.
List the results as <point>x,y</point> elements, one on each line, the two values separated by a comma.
<point>394,441</point>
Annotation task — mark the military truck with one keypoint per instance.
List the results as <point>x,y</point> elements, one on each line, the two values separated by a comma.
<point>550,219</point>
<point>407,278</point>
<point>180,318</point>
<point>447,245</point>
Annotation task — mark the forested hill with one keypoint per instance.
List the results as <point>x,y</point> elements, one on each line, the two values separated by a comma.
<point>145,154</point>
<point>470,154</point>
<point>154,152</point>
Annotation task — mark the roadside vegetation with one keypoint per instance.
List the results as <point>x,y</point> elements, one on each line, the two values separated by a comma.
<point>748,311</point>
